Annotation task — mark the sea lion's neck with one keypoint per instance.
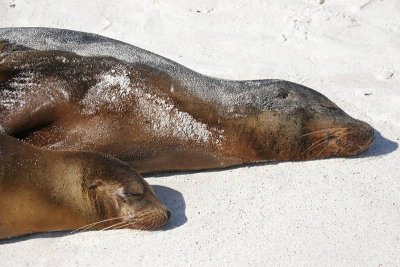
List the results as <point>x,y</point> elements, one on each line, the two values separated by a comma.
<point>70,185</point>
<point>51,198</point>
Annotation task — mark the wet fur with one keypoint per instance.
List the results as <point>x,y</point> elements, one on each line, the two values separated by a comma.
<point>251,121</point>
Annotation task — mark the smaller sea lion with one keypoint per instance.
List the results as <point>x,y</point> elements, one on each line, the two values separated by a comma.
<point>43,190</point>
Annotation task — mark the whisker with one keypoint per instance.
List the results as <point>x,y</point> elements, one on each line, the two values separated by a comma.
<point>88,226</point>
<point>344,148</point>
<point>111,226</point>
<point>152,226</point>
<point>325,141</point>
<point>333,140</point>
<point>324,130</point>
<point>147,227</point>
<point>339,148</point>
<point>122,226</point>
<point>319,142</point>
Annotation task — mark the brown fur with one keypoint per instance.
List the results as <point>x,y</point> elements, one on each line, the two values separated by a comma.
<point>123,133</point>
<point>43,190</point>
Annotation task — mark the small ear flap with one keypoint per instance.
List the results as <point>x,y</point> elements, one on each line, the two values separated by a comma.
<point>96,183</point>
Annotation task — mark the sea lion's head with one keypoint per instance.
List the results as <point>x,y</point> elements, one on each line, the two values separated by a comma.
<point>293,122</point>
<point>122,198</point>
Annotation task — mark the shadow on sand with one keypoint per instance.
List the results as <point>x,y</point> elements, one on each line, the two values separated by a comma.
<point>171,198</point>
<point>34,236</point>
<point>176,204</point>
<point>380,146</point>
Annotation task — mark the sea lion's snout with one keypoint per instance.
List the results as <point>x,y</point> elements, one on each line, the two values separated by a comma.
<point>151,213</point>
<point>361,137</point>
<point>143,211</point>
<point>339,139</point>
<point>355,139</point>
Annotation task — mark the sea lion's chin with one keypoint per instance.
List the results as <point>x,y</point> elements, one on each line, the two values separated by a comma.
<point>325,139</point>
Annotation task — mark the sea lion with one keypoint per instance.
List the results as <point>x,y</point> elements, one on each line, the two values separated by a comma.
<point>70,90</point>
<point>44,190</point>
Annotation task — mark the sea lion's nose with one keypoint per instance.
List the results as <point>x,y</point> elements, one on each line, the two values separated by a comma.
<point>168,214</point>
<point>368,133</point>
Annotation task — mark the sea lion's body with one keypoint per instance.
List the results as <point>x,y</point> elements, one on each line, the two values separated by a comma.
<point>76,91</point>
<point>44,190</point>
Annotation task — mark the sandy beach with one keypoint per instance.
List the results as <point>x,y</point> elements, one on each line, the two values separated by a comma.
<point>333,212</point>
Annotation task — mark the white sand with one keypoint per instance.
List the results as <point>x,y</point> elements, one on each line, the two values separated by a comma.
<point>327,212</point>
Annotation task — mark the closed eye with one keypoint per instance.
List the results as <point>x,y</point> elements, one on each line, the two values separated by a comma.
<point>329,107</point>
<point>130,194</point>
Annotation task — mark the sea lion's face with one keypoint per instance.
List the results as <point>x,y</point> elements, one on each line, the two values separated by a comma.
<point>310,126</point>
<point>128,201</point>
<point>320,128</point>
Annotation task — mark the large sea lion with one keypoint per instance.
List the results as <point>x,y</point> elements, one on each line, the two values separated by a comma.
<point>70,90</point>
<point>43,190</point>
